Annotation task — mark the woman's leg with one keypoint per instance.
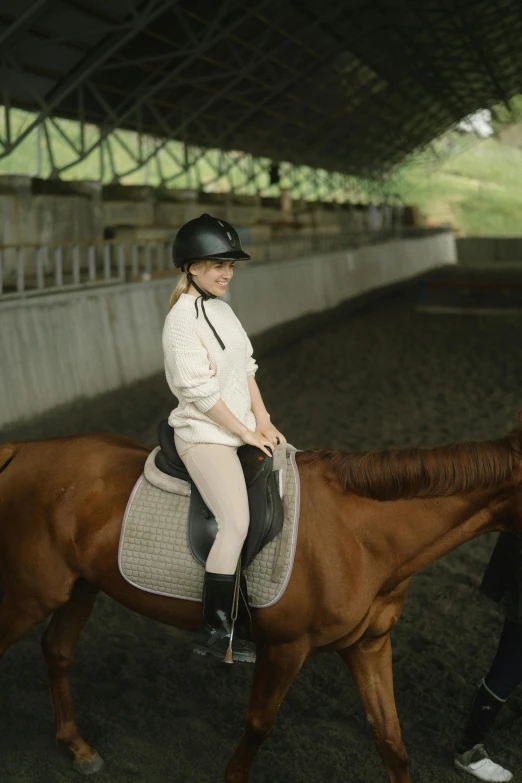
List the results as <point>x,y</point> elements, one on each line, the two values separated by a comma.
<point>503,677</point>
<point>217,473</point>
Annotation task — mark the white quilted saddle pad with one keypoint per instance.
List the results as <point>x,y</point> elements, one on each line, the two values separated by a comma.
<point>154,552</point>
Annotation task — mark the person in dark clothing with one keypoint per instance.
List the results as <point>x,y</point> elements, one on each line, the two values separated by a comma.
<point>502,583</point>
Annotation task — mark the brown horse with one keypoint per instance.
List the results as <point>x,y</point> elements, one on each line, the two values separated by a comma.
<point>368,522</point>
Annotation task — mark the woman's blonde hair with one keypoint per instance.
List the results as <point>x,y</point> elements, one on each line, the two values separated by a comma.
<point>183,283</point>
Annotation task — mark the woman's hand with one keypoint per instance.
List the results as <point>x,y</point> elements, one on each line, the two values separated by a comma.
<point>256,439</point>
<point>269,432</point>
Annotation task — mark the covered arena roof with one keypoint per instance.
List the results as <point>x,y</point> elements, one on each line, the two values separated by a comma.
<point>343,85</point>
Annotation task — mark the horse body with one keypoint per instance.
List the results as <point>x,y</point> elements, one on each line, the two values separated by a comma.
<point>61,506</point>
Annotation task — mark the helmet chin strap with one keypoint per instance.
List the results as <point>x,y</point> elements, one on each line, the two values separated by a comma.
<point>204,296</point>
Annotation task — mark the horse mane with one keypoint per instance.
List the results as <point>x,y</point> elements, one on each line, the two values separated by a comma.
<point>408,473</point>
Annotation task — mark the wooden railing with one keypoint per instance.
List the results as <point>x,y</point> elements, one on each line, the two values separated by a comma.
<point>33,269</point>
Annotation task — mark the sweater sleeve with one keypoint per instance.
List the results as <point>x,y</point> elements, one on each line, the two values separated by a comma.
<point>188,369</point>
<point>251,364</point>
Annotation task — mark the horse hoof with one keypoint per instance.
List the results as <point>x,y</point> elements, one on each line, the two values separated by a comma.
<point>89,766</point>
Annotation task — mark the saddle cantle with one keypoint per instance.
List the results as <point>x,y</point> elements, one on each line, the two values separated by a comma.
<point>264,499</point>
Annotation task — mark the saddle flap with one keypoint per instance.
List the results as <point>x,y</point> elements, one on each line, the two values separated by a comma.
<point>202,527</point>
<point>267,516</point>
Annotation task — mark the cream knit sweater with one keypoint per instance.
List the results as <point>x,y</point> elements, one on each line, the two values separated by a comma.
<point>199,372</point>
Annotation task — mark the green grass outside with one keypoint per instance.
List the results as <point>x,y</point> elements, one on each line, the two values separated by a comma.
<point>476,185</point>
<point>478,189</point>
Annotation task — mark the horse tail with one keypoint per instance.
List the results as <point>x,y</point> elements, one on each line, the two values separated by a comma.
<point>7,454</point>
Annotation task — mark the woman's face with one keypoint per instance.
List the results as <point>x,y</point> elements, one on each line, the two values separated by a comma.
<point>215,279</point>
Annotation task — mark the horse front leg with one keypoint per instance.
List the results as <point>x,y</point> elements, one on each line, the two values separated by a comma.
<point>370,661</point>
<point>275,669</point>
<point>59,644</point>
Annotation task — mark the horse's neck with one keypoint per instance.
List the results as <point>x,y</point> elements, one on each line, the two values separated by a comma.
<point>437,526</point>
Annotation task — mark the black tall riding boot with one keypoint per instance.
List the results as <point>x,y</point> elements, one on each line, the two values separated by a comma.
<point>471,755</point>
<point>218,597</point>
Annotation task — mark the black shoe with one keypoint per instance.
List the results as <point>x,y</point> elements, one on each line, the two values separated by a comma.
<point>482,714</point>
<point>218,596</point>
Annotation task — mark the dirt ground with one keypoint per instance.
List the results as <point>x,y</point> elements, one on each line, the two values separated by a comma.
<point>384,376</point>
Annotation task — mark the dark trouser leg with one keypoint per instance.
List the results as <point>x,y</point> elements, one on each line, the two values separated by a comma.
<point>506,670</point>
<point>505,674</point>
<point>482,714</point>
<point>503,677</point>
<point>471,755</point>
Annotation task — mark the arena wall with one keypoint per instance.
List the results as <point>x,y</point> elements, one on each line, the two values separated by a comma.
<point>489,251</point>
<point>58,348</point>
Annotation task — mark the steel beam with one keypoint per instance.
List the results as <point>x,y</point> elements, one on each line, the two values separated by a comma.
<point>153,84</point>
<point>106,49</point>
<point>178,130</point>
<point>464,29</point>
<point>20,24</point>
<point>261,89</point>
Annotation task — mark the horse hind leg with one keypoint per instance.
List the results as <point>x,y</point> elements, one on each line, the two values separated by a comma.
<point>59,644</point>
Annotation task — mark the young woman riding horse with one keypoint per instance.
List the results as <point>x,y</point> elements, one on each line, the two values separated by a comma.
<point>367,523</point>
<point>210,368</point>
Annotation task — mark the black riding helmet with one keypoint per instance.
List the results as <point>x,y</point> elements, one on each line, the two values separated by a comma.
<point>207,238</point>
